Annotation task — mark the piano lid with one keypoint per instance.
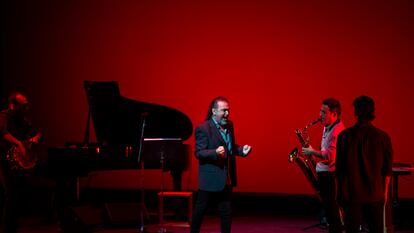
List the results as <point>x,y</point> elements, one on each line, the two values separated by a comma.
<point>118,120</point>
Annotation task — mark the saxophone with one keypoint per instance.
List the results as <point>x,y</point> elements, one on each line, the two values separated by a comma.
<point>306,163</point>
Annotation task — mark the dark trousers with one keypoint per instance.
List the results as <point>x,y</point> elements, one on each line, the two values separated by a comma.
<point>11,182</point>
<point>371,213</point>
<point>327,185</point>
<point>206,199</point>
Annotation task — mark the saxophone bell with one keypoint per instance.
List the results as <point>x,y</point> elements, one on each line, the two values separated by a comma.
<point>293,155</point>
<point>306,163</point>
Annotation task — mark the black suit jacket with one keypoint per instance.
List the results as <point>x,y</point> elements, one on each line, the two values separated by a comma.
<point>213,170</point>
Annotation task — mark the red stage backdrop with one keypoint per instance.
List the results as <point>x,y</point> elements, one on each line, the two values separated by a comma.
<point>274,60</point>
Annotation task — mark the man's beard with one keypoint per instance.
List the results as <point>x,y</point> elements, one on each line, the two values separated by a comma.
<point>224,121</point>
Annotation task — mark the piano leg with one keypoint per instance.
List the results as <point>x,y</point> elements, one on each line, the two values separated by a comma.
<point>177,179</point>
<point>66,195</point>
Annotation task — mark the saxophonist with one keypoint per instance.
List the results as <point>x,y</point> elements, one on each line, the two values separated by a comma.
<point>329,114</point>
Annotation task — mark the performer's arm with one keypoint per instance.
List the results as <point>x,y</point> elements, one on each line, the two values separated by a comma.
<point>387,186</point>
<point>9,138</point>
<point>201,146</point>
<point>12,140</point>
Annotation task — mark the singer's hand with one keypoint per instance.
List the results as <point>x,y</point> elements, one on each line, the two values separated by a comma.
<point>308,150</point>
<point>246,149</point>
<point>220,151</point>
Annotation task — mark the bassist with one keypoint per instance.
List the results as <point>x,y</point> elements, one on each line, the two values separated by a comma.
<point>15,128</point>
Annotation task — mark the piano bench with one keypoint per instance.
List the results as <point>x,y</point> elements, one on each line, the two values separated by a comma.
<point>188,195</point>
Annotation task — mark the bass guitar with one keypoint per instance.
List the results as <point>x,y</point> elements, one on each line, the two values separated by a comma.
<point>23,160</point>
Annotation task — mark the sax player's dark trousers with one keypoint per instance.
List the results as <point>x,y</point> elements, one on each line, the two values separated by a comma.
<point>327,185</point>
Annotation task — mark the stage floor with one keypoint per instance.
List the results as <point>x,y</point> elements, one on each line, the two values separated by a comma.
<point>254,223</point>
<point>248,218</point>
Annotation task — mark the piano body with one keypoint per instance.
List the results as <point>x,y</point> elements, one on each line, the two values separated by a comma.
<point>117,121</point>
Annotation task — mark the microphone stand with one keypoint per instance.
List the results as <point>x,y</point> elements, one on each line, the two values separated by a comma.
<point>141,167</point>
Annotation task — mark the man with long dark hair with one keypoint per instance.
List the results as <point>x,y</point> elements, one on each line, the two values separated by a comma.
<point>215,150</point>
<point>363,169</point>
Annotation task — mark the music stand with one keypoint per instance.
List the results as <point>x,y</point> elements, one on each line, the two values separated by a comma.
<point>141,165</point>
<point>160,153</point>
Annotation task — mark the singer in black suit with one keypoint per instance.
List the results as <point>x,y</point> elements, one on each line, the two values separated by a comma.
<point>215,150</point>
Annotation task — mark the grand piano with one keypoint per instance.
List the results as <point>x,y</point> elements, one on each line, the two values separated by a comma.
<point>124,126</point>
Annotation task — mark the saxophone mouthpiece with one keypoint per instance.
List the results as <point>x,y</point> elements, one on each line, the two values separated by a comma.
<point>313,122</point>
<point>317,120</point>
